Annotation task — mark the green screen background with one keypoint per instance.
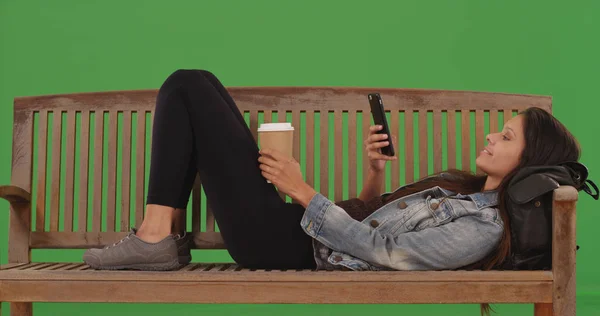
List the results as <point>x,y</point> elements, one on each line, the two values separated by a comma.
<point>533,47</point>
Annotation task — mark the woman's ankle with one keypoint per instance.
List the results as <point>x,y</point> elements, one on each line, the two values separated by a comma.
<point>157,223</point>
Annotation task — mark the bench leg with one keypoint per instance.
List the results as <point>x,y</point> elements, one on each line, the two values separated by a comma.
<point>542,309</point>
<point>21,309</point>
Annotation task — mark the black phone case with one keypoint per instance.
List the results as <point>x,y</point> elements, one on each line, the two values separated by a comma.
<point>379,118</point>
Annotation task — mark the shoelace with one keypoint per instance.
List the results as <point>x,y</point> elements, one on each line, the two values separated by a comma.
<point>118,242</point>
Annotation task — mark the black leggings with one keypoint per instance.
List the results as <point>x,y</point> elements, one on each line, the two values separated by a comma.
<point>199,129</point>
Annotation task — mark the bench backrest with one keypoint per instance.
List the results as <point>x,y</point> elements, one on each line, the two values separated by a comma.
<point>109,135</point>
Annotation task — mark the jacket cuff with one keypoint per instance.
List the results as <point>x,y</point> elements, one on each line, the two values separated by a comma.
<point>314,215</point>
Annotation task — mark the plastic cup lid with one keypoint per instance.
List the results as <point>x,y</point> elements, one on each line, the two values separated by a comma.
<point>272,127</point>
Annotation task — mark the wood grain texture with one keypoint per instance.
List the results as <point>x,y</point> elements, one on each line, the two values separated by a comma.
<point>395,164</point>
<point>507,114</point>
<point>55,170</point>
<point>140,167</point>
<point>29,272</point>
<point>40,215</point>
<point>111,203</point>
<point>409,148</point>
<point>451,117</point>
<point>311,98</point>
<point>493,121</point>
<point>98,170</point>
<point>14,194</point>
<point>84,165</point>
<point>437,140</point>
<point>338,151</point>
<point>340,292</point>
<point>564,251</point>
<point>21,309</point>
<point>466,139</point>
<point>352,153</point>
<point>479,136</point>
<point>324,159</point>
<point>126,172</point>
<point>542,309</point>
<point>49,281</point>
<point>69,172</point>
<point>366,124</point>
<point>310,148</point>
<point>423,142</point>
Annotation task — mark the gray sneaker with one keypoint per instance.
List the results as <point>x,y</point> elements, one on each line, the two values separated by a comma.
<point>183,248</point>
<point>133,253</point>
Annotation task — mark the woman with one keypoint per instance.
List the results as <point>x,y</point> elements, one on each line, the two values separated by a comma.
<point>447,221</point>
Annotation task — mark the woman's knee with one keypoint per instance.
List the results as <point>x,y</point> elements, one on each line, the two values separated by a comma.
<point>185,77</point>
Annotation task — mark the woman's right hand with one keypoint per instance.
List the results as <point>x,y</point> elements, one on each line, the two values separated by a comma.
<point>373,145</point>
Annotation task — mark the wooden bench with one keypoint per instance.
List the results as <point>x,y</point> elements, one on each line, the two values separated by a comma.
<point>38,220</point>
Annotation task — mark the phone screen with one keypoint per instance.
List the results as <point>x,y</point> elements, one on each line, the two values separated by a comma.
<point>379,118</point>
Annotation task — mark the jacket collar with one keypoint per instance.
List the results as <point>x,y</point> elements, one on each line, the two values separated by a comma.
<point>482,199</point>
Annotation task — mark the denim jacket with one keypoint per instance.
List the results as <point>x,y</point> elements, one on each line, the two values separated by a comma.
<point>435,229</point>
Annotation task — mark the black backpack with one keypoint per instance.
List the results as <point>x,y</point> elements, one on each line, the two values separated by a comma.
<point>529,206</point>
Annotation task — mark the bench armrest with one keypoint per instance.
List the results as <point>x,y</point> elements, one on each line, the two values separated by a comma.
<point>564,249</point>
<point>566,193</point>
<point>14,194</point>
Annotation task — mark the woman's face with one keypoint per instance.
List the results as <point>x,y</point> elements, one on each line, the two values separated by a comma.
<point>503,152</point>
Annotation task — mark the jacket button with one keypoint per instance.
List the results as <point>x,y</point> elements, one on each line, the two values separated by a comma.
<point>537,203</point>
<point>402,205</point>
<point>374,223</point>
<point>337,258</point>
<point>434,205</point>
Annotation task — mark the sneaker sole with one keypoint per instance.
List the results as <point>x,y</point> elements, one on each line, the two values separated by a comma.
<point>165,266</point>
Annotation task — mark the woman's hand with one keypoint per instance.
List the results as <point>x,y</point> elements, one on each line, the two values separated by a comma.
<point>284,172</point>
<point>373,145</point>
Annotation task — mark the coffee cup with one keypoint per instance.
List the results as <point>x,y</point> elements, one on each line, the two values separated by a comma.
<point>277,136</point>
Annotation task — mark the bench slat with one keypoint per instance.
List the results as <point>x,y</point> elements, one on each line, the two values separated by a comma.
<point>55,169</point>
<point>69,172</point>
<point>466,139</point>
<point>297,134</point>
<point>206,272</point>
<point>395,164</point>
<point>367,121</point>
<point>140,167</point>
<point>352,145</point>
<point>126,172</point>
<point>338,155</point>
<point>84,142</point>
<point>423,142</point>
<point>111,203</point>
<point>479,134</point>
<point>409,148</point>
<point>324,159</point>
<point>310,148</point>
<point>437,140</point>
<point>98,170</point>
<point>341,292</point>
<point>40,217</point>
<point>508,114</point>
<point>451,116</point>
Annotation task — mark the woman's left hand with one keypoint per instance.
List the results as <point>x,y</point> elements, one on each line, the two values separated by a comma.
<point>284,172</point>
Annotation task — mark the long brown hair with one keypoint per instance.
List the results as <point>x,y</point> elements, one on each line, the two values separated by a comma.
<point>547,142</point>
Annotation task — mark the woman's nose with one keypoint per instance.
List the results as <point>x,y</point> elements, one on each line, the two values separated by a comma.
<point>489,138</point>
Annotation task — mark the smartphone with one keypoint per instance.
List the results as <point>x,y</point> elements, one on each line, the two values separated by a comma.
<point>380,119</point>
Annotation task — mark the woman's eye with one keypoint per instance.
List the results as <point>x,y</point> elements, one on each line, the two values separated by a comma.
<point>504,137</point>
